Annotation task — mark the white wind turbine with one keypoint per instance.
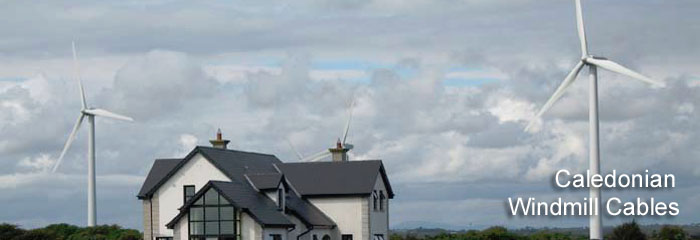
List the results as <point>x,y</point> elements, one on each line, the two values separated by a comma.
<point>325,153</point>
<point>592,62</point>
<point>90,113</point>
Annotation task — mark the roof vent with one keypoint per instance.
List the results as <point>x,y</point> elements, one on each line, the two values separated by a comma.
<point>219,142</point>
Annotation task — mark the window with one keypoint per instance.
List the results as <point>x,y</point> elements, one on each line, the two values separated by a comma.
<point>315,237</point>
<point>276,236</point>
<point>212,216</point>
<point>378,237</point>
<point>381,200</point>
<point>280,199</point>
<point>374,200</point>
<point>326,237</point>
<point>188,192</point>
<point>164,238</point>
<point>346,237</point>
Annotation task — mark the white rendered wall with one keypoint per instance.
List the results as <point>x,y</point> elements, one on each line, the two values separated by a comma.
<point>250,230</point>
<point>346,212</point>
<point>379,220</point>
<point>181,229</point>
<point>197,171</point>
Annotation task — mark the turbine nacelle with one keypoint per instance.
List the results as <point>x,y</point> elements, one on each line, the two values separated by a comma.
<point>589,57</point>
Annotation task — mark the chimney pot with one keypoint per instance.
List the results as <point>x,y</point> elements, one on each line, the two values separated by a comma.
<point>219,142</point>
<point>339,153</point>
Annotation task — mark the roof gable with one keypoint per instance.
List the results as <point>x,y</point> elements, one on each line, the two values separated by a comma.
<point>265,181</point>
<point>234,164</point>
<point>243,197</point>
<point>161,170</point>
<point>335,178</point>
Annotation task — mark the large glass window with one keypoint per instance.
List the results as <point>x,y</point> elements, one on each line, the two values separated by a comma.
<point>213,217</point>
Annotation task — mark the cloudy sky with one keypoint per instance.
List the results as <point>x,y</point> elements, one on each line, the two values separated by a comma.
<point>443,90</point>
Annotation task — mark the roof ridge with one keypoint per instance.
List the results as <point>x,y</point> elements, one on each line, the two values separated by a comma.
<point>258,174</point>
<point>350,161</point>
<point>234,150</point>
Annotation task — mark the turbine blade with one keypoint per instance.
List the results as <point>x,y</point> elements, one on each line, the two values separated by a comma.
<point>105,113</point>
<point>581,30</point>
<point>71,137</point>
<point>615,67</point>
<point>316,156</point>
<point>294,149</point>
<point>559,92</point>
<point>347,124</point>
<point>324,155</point>
<point>76,72</point>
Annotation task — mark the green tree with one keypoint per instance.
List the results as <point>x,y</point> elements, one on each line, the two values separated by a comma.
<point>62,230</point>
<point>36,234</point>
<point>9,231</point>
<point>547,235</point>
<point>627,231</point>
<point>669,232</point>
<point>497,233</point>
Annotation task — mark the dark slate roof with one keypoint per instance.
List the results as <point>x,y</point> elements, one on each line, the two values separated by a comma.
<point>335,178</point>
<point>260,206</point>
<point>307,212</point>
<point>235,164</point>
<point>263,181</point>
<point>242,196</point>
<point>159,172</point>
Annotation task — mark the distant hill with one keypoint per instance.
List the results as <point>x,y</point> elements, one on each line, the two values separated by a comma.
<point>434,225</point>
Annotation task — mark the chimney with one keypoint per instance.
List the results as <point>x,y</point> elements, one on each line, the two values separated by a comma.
<point>219,142</point>
<point>339,153</point>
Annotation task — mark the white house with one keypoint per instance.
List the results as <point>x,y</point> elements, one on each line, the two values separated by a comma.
<point>219,193</point>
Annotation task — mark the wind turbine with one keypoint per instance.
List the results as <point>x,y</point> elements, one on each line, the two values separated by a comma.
<point>592,62</point>
<point>90,113</point>
<point>325,153</point>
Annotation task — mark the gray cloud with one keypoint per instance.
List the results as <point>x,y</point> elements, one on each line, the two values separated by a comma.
<point>442,144</point>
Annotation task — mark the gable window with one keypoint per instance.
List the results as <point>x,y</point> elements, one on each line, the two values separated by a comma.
<point>381,200</point>
<point>346,237</point>
<point>188,192</point>
<point>212,216</point>
<point>374,200</point>
<point>280,199</point>
<point>326,237</point>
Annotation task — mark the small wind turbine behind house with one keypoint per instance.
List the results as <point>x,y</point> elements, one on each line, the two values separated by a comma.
<point>90,113</point>
<point>342,143</point>
<point>592,62</point>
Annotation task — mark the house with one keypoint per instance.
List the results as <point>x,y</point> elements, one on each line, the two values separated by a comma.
<point>220,193</point>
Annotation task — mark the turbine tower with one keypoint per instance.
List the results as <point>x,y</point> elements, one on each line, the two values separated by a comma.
<point>592,62</point>
<point>90,113</point>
